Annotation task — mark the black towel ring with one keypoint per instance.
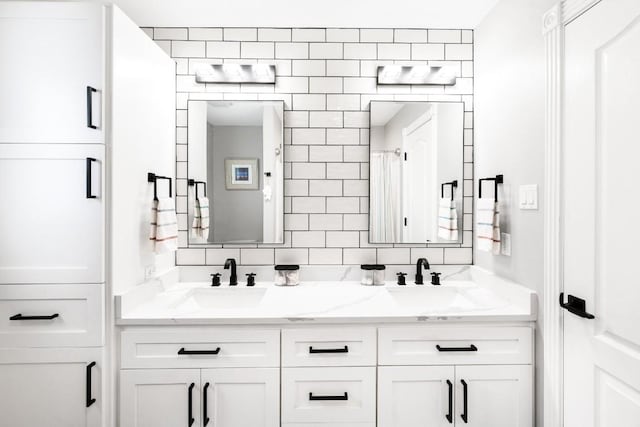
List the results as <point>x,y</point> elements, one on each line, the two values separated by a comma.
<point>153,178</point>
<point>453,184</point>
<point>498,179</point>
<point>193,182</point>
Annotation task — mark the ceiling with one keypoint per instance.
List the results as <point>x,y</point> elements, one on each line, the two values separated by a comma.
<point>306,13</point>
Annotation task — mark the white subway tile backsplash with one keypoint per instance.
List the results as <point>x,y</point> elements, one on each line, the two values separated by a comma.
<point>325,84</point>
<point>308,35</point>
<point>327,79</point>
<point>325,256</point>
<point>325,50</point>
<point>360,51</point>
<point>292,50</point>
<point>205,34</point>
<point>343,35</point>
<point>241,34</point>
<point>257,50</point>
<point>394,51</point>
<point>274,34</point>
<point>223,49</point>
<point>343,67</point>
<point>410,36</point>
<point>325,222</point>
<point>376,35</point>
<point>308,67</point>
<point>445,36</point>
<point>325,119</point>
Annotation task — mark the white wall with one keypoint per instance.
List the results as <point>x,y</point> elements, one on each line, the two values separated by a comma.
<point>142,140</point>
<point>509,134</point>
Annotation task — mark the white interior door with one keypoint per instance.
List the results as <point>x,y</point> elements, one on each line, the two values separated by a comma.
<point>416,396</point>
<point>160,398</point>
<point>50,52</point>
<point>602,105</point>
<point>51,211</point>
<point>419,195</point>
<point>229,391</point>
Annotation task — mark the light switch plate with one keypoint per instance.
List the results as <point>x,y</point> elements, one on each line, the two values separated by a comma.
<point>529,197</point>
<point>505,244</point>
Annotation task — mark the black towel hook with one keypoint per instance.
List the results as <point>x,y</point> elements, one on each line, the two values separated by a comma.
<point>498,179</point>
<point>193,182</point>
<point>453,184</point>
<point>153,178</point>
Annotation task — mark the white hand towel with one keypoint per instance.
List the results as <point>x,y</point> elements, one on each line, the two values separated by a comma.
<point>164,226</point>
<point>447,220</point>
<point>200,226</point>
<point>488,223</point>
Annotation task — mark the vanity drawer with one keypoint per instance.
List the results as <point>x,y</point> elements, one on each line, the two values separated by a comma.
<point>200,348</point>
<point>51,315</point>
<point>455,345</point>
<point>329,347</point>
<point>338,396</point>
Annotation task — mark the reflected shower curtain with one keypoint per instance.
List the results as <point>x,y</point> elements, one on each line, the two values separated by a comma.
<point>385,224</point>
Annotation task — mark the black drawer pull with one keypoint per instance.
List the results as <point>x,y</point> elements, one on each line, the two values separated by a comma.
<point>344,396</point>
<point>205,415</point>
<point>465,396</point>
<point>449,415</point>
<point>470,348</point>
<point>90,400</point>
<point>90,194</point>
<point>187,352</point>
<point>19,316</point>
<point>190,419</point>
<point>90,92</point>
<point>344,349</point>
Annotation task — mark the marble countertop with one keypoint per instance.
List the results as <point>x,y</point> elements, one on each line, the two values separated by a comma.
<point>474,296</point>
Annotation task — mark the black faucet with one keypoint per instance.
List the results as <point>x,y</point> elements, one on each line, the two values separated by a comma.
<point>233,279</point>
<point>419,264</point>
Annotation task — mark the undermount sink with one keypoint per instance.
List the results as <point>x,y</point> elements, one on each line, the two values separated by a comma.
<point>424,297</point>
<point>221,299</point>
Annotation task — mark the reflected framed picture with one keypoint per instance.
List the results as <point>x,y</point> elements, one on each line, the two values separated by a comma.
<point>241,174</point>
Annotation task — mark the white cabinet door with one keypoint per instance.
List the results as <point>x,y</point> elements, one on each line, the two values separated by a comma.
<point>241,397</point>
<point>49,388</point>
<point>50,54</point>
<point>415,396</point>
<point>160,398</point>
<point>496,396</point>
<point>52,213</point>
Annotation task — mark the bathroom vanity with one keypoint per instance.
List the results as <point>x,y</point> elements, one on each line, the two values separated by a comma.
<point>328,353</point>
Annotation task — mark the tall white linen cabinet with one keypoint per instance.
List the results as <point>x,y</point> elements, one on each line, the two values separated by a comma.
<point>87,108</point>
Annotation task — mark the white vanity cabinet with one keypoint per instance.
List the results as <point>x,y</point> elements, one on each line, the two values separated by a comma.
<point>51,387</point>
<point>51,53</point>
<point>235,375</point>
<point>462,375</point>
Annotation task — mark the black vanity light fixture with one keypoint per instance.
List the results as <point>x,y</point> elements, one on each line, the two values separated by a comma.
<point>236,73</point>
<point>416,75</point>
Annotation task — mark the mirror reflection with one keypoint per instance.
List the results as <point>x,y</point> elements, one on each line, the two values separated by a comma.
<point>415,173</point>
<point>236,173</point>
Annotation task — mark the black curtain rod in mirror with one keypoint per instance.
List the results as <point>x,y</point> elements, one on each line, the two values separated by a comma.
<point>498,179</point>
<point>153,178</point>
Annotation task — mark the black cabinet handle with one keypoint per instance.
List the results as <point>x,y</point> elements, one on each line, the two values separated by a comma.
<point>470,348</point>
<point>205,418</point>
<point>449,415</point>
<point>344,349</point>
<point>19,316</point>
<point>190,419</point>
<point>182,351</point>
<point>90,400</point>
<point>90,92</point>
<point>90,195</point>
<point>344,396</point>
<point>576,306</point>
<point>465,413</point>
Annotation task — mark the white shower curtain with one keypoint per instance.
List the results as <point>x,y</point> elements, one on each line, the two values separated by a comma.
<point>385,184</point>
